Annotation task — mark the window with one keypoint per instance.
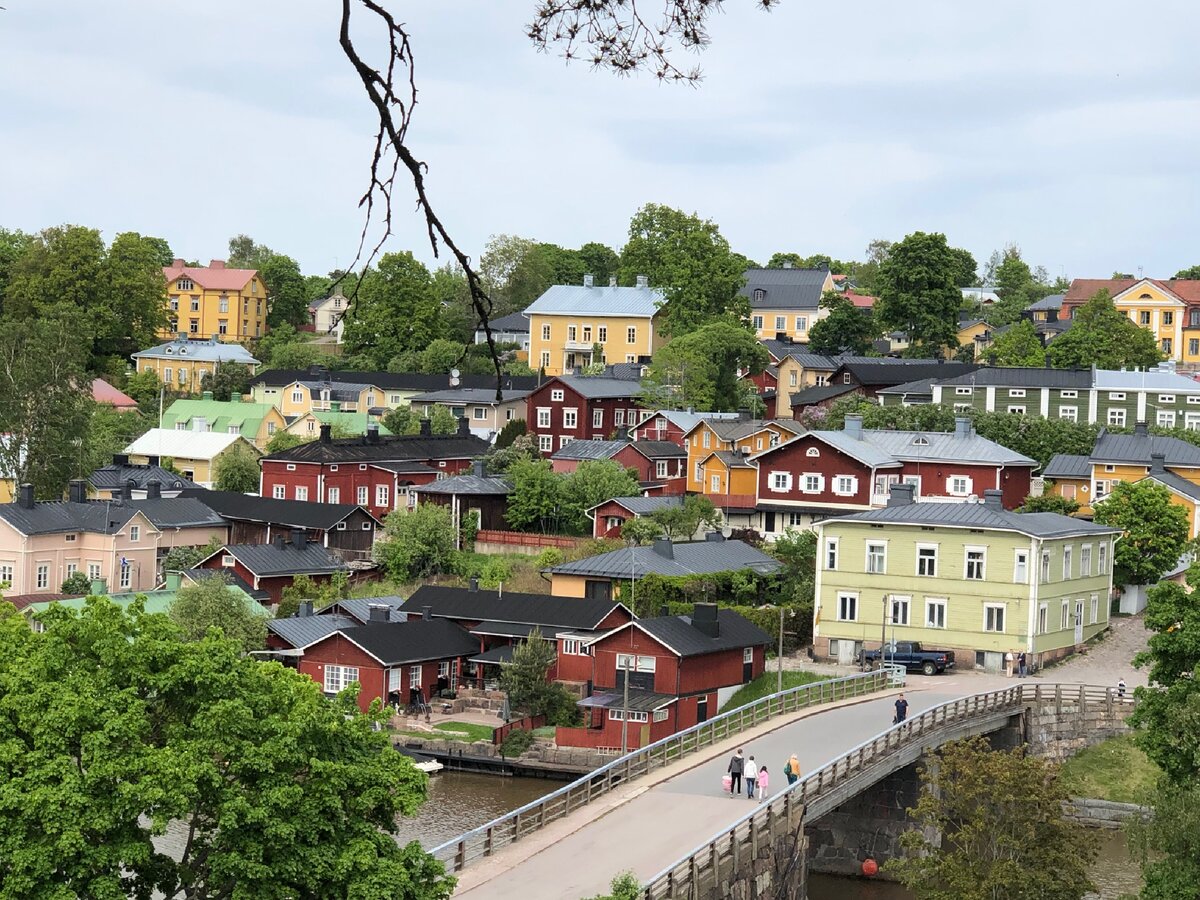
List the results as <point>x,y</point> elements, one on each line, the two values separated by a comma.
<point>195,305</point>
<point>973,569</point>
<point>167,373</point>
<point>813,451</point>
<point>1045,573</point>
<point>72,568</point>
<point>543,417</point>
<point>1068,395</point>
<point>1066,563</point>
<point>279,492</point>
<point>1016,410</point>
<point>333,495</point>
<point>831,554</point>
<point>793,378</point>
<point>900,610</point>
<point>935,612</point>
<point>620,715</point>
<point>223,304</point>
<point>1166,398</point>
<point>1095,610</point>
<point>43,576</point>
<point>174,302</point>
<point>876,557</point>
<point>1166,418</point>
<point>847,607</point>
<point>845,485</point>
<point>1069,413</point>
<point>748,655</point>
<point>706,440</point>
<point>714,484</point>
<point>781,323</point>
<point>822,381</point>
<point>381,495</point>
<point>1021,567</point>
<point>6,572</point>
<point>1116,395</point>
<point>339,677</point>
<point>362,495</point>
<point>802,323</point>
<point>1042,617</point>
<point>301,492</point>
<point>479,413</point>
<point>570,418</point>
<point>1166,346</point>
<point>1102,560</point>
<point>545,332</point>
<point>545,443</point>
<point>781,481</point>
<point>661,715</point>
<point>1016,392</point>
<point>813,484</point>
<point>993,617</point>
<point>757,322</point>
<point>135,533</point>
<point>572,333</point>
<point>845,378</point>
<point>93,571</point>
<point>597,418</point>
<point>963,391</point>
<point>556,396</point>
<point>927,560</point>
<point>1144,317</point>
<point>234,429</point>
<point>414,677</point>
<point>587,334</point>
<point>1064,618</point>
<point>631,334</point>
<point>126,569</point>
<point>619,417</point>
<point>958,485</point>
<point>630,663</point>
<point>660,468</point>
<point>915,481</point>
<point>1168,317</point>
<point>545,358</point>
<point>602,333</point>
<point>1085,561</point>
<point>1193,347</point>
<point>193,326</point>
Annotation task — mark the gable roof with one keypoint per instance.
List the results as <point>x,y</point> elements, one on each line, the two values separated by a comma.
<point>1050,301</point>
<point>680,635</point>
<point>1022,376</point>
<point>266,560</point>
<point>185,444</point>
<point>175,512</point>
<point>590,450</point>
<point>693,558</point>
<point>103,392</point>
<point>1083,289</point>
<point>731,459</point>
<point>819,393</point>
<point>978,515</point>
<point>394,643</point>
<point>1173,482</point>
<point>736,429</point>
<point>302,631</point>
<point>922,387</point>
<point>115,475</point>
<point>359,608</point>
<point>218,415</point>
<point>641,506</point>
<point>388,381</point>
<point>58,516</point>
<point>268,510</point>
<point>511,606</point>
<point>414,447</point>
<point>352,422</point>
<point>1068,465</point>
<point>876,372</point>
<point>572,299</point>
<point>1151,380</point>
<point>486,396</point>
<point>657,449</point>
<point>784,288</point>
<point>598,387</point>
<point>513,323</point>
<point>880,448</point>
<point>212,350</point>
<point>213,277</point>
<point>479,485</point>
<point>1139,448</point>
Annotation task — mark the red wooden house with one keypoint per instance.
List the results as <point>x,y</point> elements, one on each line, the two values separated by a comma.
<point>580,408</point>
<point>608,517</point>
<point>266,569</point>
<point>661,466</point>
<point>766,385</point>
<point>680,670</point>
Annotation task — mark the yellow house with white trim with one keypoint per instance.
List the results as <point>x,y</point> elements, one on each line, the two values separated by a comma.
<point>213,300</point>
<point>1168,308</point>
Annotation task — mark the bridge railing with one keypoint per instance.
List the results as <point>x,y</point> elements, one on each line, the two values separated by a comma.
<point>485,840</point>
<point>689,875</point>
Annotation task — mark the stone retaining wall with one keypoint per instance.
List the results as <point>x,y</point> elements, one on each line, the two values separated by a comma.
<point>1103,813</point>
<point>570,758</point>
<point>1059,731</point>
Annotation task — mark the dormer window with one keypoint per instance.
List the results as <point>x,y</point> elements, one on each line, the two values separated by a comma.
<point>170,351</point>
<point>920,442</point>
<point>185,284</point>
<point>759,295</point>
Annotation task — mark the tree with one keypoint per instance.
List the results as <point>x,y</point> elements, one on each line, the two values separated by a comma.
<point>1101,335</point>
<point>866,274</point>
<point>689,260</point>
<point>1050,503</point>
<point>500,459</point>
<point>396,311</point>
<point>1155,530</point>
<point>76,583</point>
<point>416,543</point>
<point>12,246</point>
<point>203,740</point>
<point>512,429</point>
<point>304,588</point>
<point>285,440</point>
<point>440,356</point>
<point>965,268</point>
<point>1190,273</point>
<point>212,603</point>
<point>443,421</point>
<point>287,290</point>
<point>625,886</point>
<point>1019,346</point>
<point>45,404</point>
<point>683,521</point>
<point>641,530</point>
<point>534,502</point>
<point>237,469</point>
<point>180,559</point>
<point>108,432</point>
<point>917,292</point>
<point>244,253</point>
<point>992,826</point>
<point>700,369</point>
<point>599,260</point>
<point>847,329</point>
<point>593,482</point>
<point>514,272</point>
<point>402,420</point>
<point>529,691</point>
<point>229,379</point>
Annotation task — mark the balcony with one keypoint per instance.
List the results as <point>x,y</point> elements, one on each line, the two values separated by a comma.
<point>579,346</point>
<point>733,501</point>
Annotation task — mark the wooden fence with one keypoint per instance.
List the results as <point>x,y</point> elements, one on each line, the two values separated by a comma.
<point>524,542</point>
<point>528,724</point>
<point>481,842</point>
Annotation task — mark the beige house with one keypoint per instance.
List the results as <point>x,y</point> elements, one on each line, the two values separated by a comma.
<point>327,314</point>
<point>192,453</point>
<point>478,406</point>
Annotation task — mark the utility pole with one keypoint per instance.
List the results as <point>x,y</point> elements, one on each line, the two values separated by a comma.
<point>883,633</point>
<point>625,710</point>
<point>779,660</point>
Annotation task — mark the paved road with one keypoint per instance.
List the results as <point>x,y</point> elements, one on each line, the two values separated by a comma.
<point>671,818</point>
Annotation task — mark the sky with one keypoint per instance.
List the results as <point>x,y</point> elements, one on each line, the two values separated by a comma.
<point>1071,128</point>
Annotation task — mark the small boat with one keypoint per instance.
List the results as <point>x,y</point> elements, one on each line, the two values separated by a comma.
<point>429,766</point>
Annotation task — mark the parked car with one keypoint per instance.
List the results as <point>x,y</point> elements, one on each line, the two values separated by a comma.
<point>912,656</point>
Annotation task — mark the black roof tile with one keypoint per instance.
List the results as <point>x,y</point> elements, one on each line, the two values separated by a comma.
<point>531,609</point>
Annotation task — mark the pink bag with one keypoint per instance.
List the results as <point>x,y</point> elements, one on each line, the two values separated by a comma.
<point>727,782</point>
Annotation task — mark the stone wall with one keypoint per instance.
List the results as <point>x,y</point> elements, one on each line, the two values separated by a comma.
<point>1062,726</point>
<point>1103,813</point>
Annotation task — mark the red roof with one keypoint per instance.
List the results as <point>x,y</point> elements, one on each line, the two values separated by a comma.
<point>103,392</point>
<point>20,601</point>
<point>214,276</point>
<point>1083,289</point>
<point>862,301</point>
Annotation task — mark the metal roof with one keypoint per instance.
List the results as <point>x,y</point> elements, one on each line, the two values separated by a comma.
<point>1168,382</point>
<point>266,560</point>
<point>467,484</point>
<point>114,476</point>
<point>597,387</point>
<point>819,393</point>
<point>485,396</point>
<point>1141,448</point>
<point>694,558</point>
<point>922,387</point>
<point>978,515</point>
<point>497,656</point>
<point>680,634</point>
<point>784,288</point>
<point>503,629</point>
<point>513,323</point>
<point>942,446</point>
<point>176,512</point>
<point>658,449</point>
<point>54,516</point>
<point>1068,465</point>
<point>736,429</point>
<point>584,450</point>
<point>416,447</point>
<point>1175,482</point>
<point>639,701</point>
<point>394,643</point>
<point>1051,301</point>
<point>641,506</point>
<point>877,372</point>
<point>268,510</point>
<point>184,444</point>
<point>1018,376</point>
<point>732,459</point>
<point>360,607</point>
<point>202,351</point>
<point>572,299</point>
<point>480,605</point>
<point>393,381</point>
<point>301,631</point>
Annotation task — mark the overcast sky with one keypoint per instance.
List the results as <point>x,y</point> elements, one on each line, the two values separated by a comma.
<point>1071,128</point>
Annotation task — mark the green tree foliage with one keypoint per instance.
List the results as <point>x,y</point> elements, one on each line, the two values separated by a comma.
<point>108,432</point>
<point>1019,346</point>
<point>287,290</point>
<point>229,379</point>
<point>402,420</point>
<point>680,523</point>
<point>512,430</point>
<point>76,583</point>
<point>180,559</point>
<point>1101,335</point>
<point>396,311</point>
<point>13,244</point>
<point>690,261</point>
<point>440,356</point>
<point>918,293</point>
<point>529,691</point>
<point>816,261</point>
<point>847,329</point>
<point>965,267</point>
<point>416,543</point>
<point>1051,503</point>
<point>625,886</point>
<point>453,298</point>
<point>197,737</point>
<point>641,530</point>
<point>211,603</point>
<point>442,421</point>
<point>285,440</point>
<point>1190,273</point>
<point>534,502</point>
<point>599,260</point>
<point>322,595</point>
<point>45,404</point>
<point>866,273</point>
<point>1155,530</point>
<point>992,826</point>
<point>237,470</point>
<point>515,271</point>
<point>700,368</point>
<point>500,459</point>
<point>593,482</point>
<point>244,253</point>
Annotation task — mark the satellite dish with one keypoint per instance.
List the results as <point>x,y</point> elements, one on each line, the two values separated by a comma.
<point>454,381</point>
<point>454,373</point>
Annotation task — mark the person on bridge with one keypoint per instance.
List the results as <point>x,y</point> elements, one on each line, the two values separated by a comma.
<point>792,769</point>
<point>736,766</point>
<point>762,782</point>
<point>901,710</point>
<point>1021,662</point>
<point>751,773</point>
<point>1008,664</point>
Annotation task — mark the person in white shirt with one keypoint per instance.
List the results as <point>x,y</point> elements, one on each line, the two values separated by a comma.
<point>751,777</point>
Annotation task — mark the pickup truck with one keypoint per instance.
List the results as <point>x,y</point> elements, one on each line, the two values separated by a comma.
<point>912,656</point>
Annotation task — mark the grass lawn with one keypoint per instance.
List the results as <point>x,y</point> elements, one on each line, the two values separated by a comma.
<point>546,731</point>
<point>766,684</point>
<point>1115,770</point>
<point>455,731</point>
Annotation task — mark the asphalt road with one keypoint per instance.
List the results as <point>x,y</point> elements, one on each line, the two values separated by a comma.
<point>670,819</point>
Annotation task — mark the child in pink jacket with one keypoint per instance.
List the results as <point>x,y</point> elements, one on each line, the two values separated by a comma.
<point>762,782</point>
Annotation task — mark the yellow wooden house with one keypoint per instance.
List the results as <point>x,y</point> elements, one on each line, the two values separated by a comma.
<point>215,301</point>
<point>1168,308</point>
<point>742,437</point>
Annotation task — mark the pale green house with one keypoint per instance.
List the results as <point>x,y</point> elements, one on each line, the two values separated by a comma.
<point>969,577</point>
<point>256,422</point>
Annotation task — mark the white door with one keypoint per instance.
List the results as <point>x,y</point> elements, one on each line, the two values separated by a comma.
<point>845,653</point>
<point>1078,622</point>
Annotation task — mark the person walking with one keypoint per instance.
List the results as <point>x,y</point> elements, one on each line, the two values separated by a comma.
<point>1021,661</point>
<point>762,783</point>
<point>751,773</point>
<point>1008,664</point>
<point>736,766</point>
<point>792,769</point>
<point>1121,688</point>
<point>901,710</point>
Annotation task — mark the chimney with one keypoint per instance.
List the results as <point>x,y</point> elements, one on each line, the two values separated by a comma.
<point>963,427</point>
<point>664,610</point>
<point>464,427</point>
<point>235,397</point>
<point>178,263</point>
<point>743,414</point>
<point>173,581</point>
<point>1141,429</point>
<point>206,395</point>
<point>335,405</point>
<point>153,460</point>
<point>127,489</point>
<point>783,337</point>
<point>477,468</point>
<point>901,495</point>
<point>377,612</point>
<point>622,433</point>
<point>183,336</point>
<point>305,609</point>
<point>326,433</point>
<point>853,427</point>
<point>216,263</point>
<point>588,281</point>
<point>373,433</point>
<point>77,490</point>
<point>643,281</point>
<point>280,541</point>
<point>120,459</point>
<point>426,613</point>
<point>1158,463</point>
<point>99,587</point>
<point>787,264</point>
<point>704,619</point>
<point>153,489</point>
<point>612,280</point>
<point>714,537</point>
<point>474,585</point>
<point>426,428</point>
<point>993,498</point>
<point>663,548</point>
<point>299,538</point>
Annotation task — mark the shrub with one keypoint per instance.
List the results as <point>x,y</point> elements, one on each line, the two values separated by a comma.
<point>551,556</point>
<point>516,742</point>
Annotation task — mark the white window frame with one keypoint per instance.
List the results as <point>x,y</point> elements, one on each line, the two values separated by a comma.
<point>1085,561</point>
<point>1067,561</point>
<point>545,443</point>
<point>935,603</point>
<point>1044,568</point>
<point>660,468</point>
<point>42,576</point>
<point>363,495</point>
<point>1102,559</point>
<point>301,492</point>
<point>1068,395</point>
<point>757,322</point>
<point>875,558</point>
<point>543,417</point>
<point>847,602</point>
<point>619,418</point>
<point>338,678</point>
<point>414,677</point>
<point>1043,618</point>
<point>963,391</point>
<point>967,563</point>
<point>1016,410</point>
<point>817,485</point>
<point>333,495</point>
<point>545,332</point>
<point>1165,418</point>
<point>964,491</point>
<point>1021,567</point>
<point>1116,395</point>
<point>1016,392</point>
<point>831,554</point>
<point>992,611</point>
<point>382,493</point>
<point>780,482</point>
<point>135,533</point>
<point>1064,617</point>
<point>1069,413</point>
<point>1166,398</point>
<point>570,418</point>
<point>845,485</point>
<point>1095,608</point>
<point>920,559</point>
<point>556,395</point>
<point>714,483</point>
<point>900,610</point>
<point>597,418</point>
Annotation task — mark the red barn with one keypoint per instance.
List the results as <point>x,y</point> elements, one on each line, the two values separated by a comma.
<point>581,408</point>
<point>680,670</point>
<point>269,568</point>
<point>661,466</point>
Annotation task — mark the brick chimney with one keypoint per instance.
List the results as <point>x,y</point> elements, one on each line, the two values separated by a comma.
<point>216,263</point>
<point>993,498</point>
<point>77,490</point>
<point>901,495</point>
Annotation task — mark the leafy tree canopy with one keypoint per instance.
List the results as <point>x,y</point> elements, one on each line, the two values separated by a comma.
<point>918,293</point>
<point>244,253</point>
<point>396,311</point>
<point>847,329</point>
<point>1192,272</point>
<point>1052,503</point>
<point>416,543</point>
<point>680,523</point>
<point>529,691</point>
<point>76,583</point>
<point>212,603</point>
<point>534,504</point>
<point>287,290</point>
<point>1102,336</point>
<point>237,469</point>
<point>1155,530</point>
<point>229,379</point>
<point>1019,346</point>
<point>700,369</point>
<point>593,482</point>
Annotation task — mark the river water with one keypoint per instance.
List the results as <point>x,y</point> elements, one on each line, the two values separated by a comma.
<point>460,801</point>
